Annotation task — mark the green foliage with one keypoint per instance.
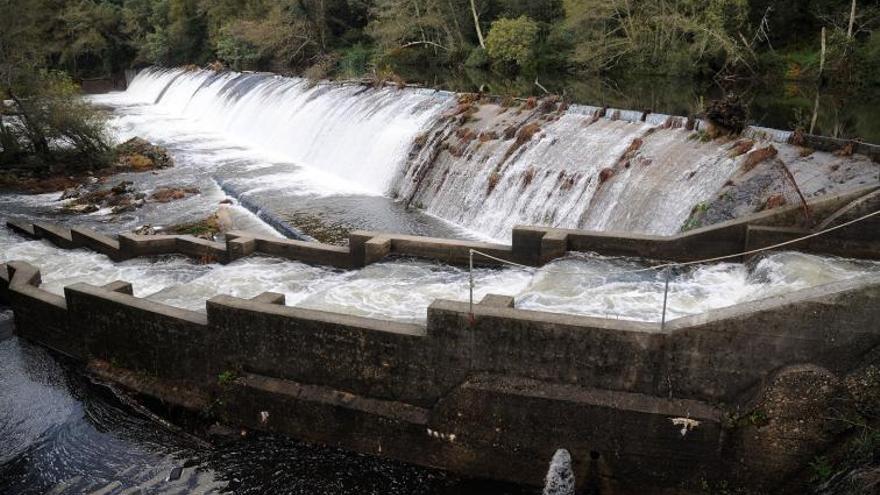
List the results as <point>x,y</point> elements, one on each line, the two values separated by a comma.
<point>867,61</point>
<point>356,60</point>
<point>678,37</point>
<point>226,378</point>
<point>754,38</point>
<point>512,42</point>
<point>237,52</point>
<point>53,126</point>
<point>822,469</point>
<point>477,59</point>
<point>696,217</point>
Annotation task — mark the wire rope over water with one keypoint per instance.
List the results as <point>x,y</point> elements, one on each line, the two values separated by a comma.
<point>666,267</point>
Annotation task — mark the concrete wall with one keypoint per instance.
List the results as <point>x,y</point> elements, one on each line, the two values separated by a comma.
<point>530,245</point>
<point>490,394</point>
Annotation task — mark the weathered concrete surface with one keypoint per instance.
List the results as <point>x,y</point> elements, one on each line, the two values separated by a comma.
<point>6,323</point>
<point>96,242</point>
<point>308,252</point>
<point>4,284</point>
<point>494,393</point>
<point>491,390</point>
<point>722,353</point>
<point>160,340</point>
<point>530,245</point>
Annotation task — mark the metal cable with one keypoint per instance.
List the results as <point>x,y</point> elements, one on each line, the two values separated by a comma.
<point>667,266</point>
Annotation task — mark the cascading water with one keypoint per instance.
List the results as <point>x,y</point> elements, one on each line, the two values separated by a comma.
<point>357,134</point>
<point>483,166</point>
<point>572,174</point>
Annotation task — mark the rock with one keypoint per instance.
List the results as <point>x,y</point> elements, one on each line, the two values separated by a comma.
<point>124,208</point>
<point>175,473</point>
<point>71,193</point>
<point>226,201</point>
<point>80,209</point>
<point>741,147</point>
<point>145,230</point>
<point>605,174</point>
<point>137,154</point>
<point>123,187</point>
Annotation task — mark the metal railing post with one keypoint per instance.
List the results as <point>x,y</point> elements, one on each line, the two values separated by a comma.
<point>471,281</point>
<point>665,298</point>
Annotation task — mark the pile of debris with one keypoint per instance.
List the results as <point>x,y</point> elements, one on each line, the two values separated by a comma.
<point>139,155</point>
<point>121,198</point>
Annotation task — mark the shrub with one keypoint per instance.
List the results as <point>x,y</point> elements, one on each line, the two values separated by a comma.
<point>356,60</point>
<point>512,42</point>
<point>477,59</point>
<point>238,53</point>
<point>54,126</point>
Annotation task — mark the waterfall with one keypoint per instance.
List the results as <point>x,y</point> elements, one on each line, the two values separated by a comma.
<point>576,170</point>
<point>360,135</point>
<point>483,165</point>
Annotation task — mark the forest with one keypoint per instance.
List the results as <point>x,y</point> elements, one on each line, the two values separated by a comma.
<point>48,47</point>
<point>728,39</point>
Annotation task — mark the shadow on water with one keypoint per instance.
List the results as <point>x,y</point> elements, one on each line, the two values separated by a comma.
<point>62,433</point>
<point>842,113</point>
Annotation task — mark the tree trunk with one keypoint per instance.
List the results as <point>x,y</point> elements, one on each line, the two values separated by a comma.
<point>852,20</point>
<point>35,134</point>
<point>477,25</point>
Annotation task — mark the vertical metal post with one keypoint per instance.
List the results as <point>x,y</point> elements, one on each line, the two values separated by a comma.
<point>665,298</point>
<point>471,281</point>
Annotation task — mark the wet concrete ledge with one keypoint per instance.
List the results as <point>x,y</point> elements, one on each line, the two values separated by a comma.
<point>533,246</point>
<point>491,394</point>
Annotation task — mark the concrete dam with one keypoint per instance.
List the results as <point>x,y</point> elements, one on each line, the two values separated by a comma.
<point>479,283</point>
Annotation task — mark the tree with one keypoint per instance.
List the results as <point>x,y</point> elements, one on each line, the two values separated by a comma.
<point>512,41</point>
<point>477,25</point>
<point>400,24</point>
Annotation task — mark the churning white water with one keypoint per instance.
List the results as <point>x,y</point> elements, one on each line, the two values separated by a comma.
<point>403,289</point>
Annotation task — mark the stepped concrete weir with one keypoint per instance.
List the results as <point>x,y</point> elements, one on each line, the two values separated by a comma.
<point>490,390</point>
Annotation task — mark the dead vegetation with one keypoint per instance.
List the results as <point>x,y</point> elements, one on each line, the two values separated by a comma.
<point>741,147</point>
<point>522,136</point>
<point>605,174</point>
<point>759,156</point>
<point>494,179</point>
<point>169,194</point>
